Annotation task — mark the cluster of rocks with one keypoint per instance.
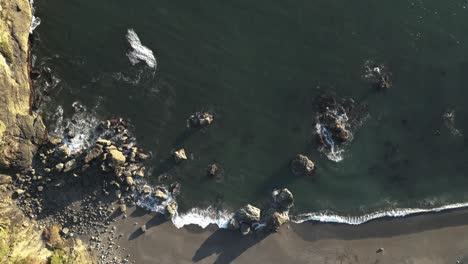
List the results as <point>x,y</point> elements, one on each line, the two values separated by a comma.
<point>159,199</point>
<point>332,121</point>
<point>60,178</point>
<point>200,120</point>
<point>250,219</point>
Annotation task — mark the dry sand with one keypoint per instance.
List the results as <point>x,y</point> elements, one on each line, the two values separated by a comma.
<point>425,239</point>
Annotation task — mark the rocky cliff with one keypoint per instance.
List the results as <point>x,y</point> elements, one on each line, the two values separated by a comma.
<point>21,130</point>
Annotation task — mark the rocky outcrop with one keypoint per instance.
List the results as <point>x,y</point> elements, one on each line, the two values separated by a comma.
<point>302,166</point>
<point>251,219</point>
<point>21,130</point>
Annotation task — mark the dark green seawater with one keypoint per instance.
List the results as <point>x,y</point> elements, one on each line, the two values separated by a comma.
<point>258,65</point>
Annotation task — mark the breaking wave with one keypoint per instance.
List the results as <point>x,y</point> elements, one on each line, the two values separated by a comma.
<point>139,52</point>
<point>78,130</point>
<point>36,21</point>
<point>205,217</point>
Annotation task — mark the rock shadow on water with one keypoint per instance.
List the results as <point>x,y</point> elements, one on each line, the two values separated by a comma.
<point>227,244</point>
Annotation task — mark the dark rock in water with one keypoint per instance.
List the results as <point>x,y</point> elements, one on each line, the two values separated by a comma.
<point>213,170</point>
<point>179,155</point>
<point>378,75</point>
<point>284,199</point>
<point>174,189</point>
<point>233,224</point>
<point>274,220</point>
<point>200,119</point>
<point>302,166</point>
<point>248,214</point>
<point>245,229</point>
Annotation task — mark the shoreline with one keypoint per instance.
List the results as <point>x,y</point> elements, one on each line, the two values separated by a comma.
<point>424,238</point>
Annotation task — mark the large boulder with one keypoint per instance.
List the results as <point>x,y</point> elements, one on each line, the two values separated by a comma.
<point>274,219</point>
<point>284,199</point>
<point>302,166</point>
<point>248,214</point>
<point>171,210</point>
<point>117,158</point>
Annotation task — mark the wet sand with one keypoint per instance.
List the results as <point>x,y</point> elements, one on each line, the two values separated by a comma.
<point>428,238</point>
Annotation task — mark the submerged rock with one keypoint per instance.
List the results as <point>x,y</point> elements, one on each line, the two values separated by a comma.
<point>213,170</point>
<point>200,119</point>
<point>302,166</point>
<point>248,214</point>
<point>179,155</point>
<point>284,199</point>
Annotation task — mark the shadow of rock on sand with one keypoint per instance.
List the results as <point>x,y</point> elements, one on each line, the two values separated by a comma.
<point>228,244</point>
<point>155,221</point>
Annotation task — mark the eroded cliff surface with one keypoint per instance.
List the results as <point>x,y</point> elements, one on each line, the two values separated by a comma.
<point>21,130</point>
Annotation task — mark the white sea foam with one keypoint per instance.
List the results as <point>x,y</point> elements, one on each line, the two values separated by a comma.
<point>81,125</point>
<point>36,21</point>
<point>357,220</point>
<point>139,52</point>
<point>203,218</point>
<point>332,151</point>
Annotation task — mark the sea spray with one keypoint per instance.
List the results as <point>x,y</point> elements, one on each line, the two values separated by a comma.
<point>139,52</point>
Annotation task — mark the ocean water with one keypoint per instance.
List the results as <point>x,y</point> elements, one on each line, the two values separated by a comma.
<point>259,66</point>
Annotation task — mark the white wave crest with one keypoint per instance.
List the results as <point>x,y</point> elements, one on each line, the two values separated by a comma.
<point>36,21</point>
<point>357,220</point>
<point>139,52</point>
<point>203,218</point>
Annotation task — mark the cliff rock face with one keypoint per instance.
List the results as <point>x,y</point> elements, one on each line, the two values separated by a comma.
<point>20,129</point>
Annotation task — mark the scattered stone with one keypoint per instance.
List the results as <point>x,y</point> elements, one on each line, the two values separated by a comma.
<point>19,192</point>
<point>65,231</point>
<point>104,142</point>
<point>123,208</point>
<point>380,250</point>
<point>63,151</point>
<point>69,165</point>
<point>129,181</point>
<point>179,155</point>
<point>302,166</point>
<point>143,228</point>
<point>40,188</point>
<point>59,167</point>
<point>93,153</point>
<point>55,140</point>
